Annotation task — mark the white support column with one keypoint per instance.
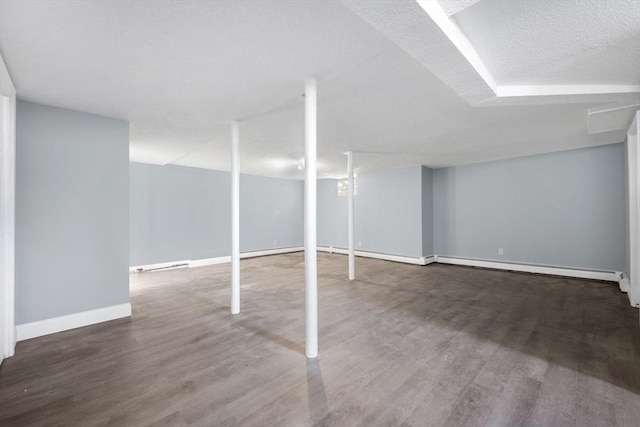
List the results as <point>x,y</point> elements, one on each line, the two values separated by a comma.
<point>7,212</point>
<point>633,188</point>
<point>235,218</point>
<point>310,238</point>
<point>352,255</point>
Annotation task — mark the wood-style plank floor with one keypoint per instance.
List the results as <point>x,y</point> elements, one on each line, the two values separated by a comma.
<point>402,345</point>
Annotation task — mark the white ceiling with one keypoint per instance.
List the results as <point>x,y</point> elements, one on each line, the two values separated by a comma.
<point>400,83</point>
<point>556,42</point>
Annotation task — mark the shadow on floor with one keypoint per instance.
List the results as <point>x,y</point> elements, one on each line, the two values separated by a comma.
<point>586,326</point>
<point>264,333</point>
<point>318,405</point>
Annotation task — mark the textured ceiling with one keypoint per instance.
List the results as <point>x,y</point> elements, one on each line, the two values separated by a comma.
<point>393,87</point>
<point>556,42</point>
<point>451,7</point>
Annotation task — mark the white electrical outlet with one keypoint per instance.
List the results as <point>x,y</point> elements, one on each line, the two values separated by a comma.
<point>275,243</point>
<point>500,251</point>
<point>359,243</point>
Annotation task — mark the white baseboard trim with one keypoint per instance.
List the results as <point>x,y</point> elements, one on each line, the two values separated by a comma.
<point>159,266</point>
<point>71,321</point>
<point>431,259</point>
<point>625,286</point>
<point>267,252</point>
<point>623,281</point>
<point>211,261</point>
<point>609,276</point>
<point>387,257</point>
<point>244,255</point>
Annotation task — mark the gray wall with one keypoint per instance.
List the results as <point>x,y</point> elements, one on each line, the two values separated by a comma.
<point>562,209</point>
<point>271,213</point>
<point>72,219</point>
<point>332,215</point>
<point>389,212</point>
<point>183,213</point>
<point>177,213</point>
<point>427,211</point>
<point>387,209</point>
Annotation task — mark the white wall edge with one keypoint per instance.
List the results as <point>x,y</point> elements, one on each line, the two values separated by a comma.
<point>633,216</point>
<point>7,212</point>
<point>72,321</point>
<point>376,255</point>
<point>211,261</point>
<point>609,276</point>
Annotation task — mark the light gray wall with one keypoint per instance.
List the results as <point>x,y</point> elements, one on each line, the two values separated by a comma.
<point>178,213</point>
<point>562,209</point>
<point>387,209</point>
<point>271,213</point>
<point>332,215</point>
<point>427,211</point>
<point>183,213</point>
<point>72,221</point>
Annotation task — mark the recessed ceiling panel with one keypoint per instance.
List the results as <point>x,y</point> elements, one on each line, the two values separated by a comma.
<point>556,42</point>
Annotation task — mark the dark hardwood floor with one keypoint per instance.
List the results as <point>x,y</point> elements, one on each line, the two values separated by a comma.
<point>402,345</point>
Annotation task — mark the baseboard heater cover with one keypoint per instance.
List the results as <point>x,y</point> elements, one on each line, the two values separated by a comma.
<point>609,276</point>
<point>423,260</point>
<point>210,261</point>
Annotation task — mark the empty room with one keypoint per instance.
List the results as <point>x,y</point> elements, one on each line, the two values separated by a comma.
<point>319,212</point>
